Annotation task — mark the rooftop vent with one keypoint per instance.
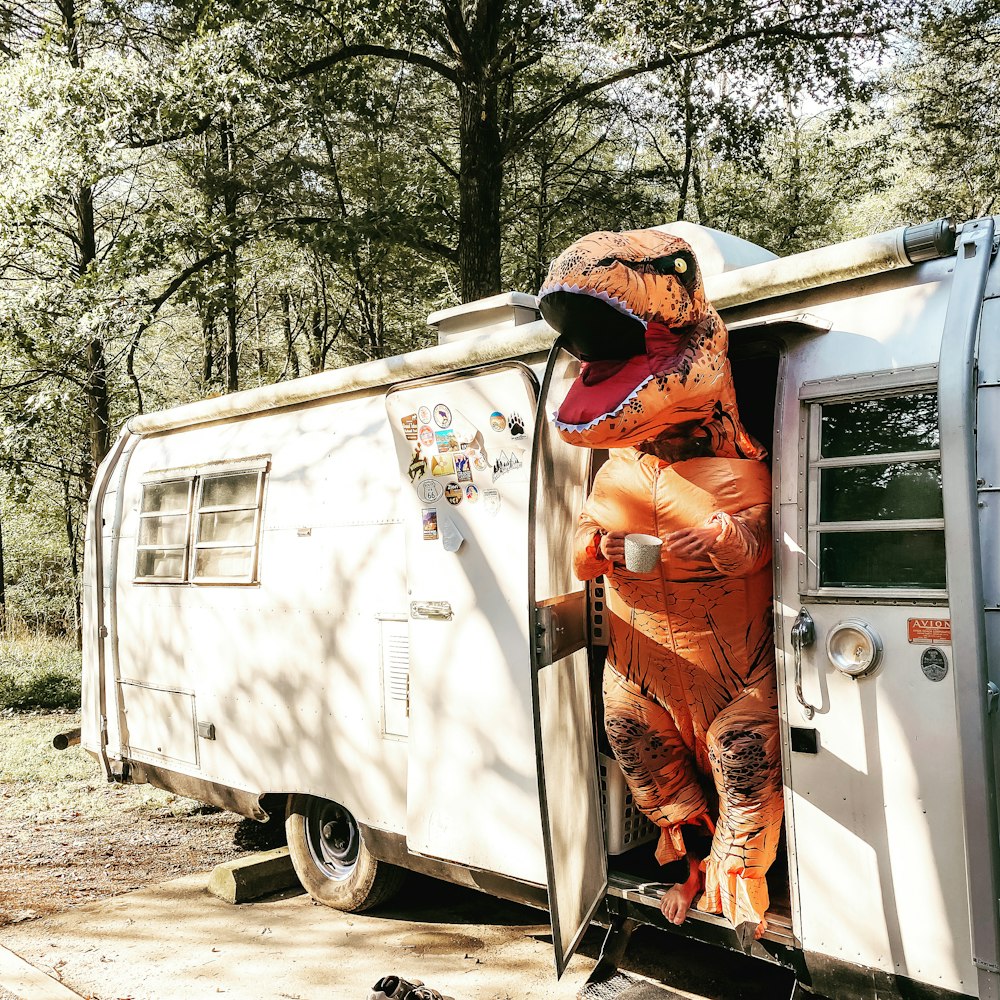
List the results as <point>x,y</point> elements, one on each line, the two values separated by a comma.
<point>497,314</point>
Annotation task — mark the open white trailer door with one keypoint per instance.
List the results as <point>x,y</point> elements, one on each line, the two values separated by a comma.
<point>462,442</point>
<point>567,769</point>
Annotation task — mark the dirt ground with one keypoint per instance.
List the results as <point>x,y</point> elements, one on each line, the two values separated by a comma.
<point>68,837</point>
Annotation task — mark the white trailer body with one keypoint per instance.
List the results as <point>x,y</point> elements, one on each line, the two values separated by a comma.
<point>281,601</point>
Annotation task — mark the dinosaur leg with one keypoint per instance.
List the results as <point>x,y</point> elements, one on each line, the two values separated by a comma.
<point>743,748</point>
<point>658,767</point>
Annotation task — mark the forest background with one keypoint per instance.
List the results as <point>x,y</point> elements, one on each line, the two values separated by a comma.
<point>201,196</point>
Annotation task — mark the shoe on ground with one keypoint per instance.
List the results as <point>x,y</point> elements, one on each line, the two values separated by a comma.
<point>393,988</point>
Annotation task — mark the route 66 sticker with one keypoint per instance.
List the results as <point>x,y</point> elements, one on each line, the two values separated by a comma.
<point>430,490</point>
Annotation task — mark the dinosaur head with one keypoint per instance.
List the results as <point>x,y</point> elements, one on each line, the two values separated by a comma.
<point>632,306</point>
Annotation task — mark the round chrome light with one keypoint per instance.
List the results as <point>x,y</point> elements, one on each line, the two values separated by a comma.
<point>854,647</point>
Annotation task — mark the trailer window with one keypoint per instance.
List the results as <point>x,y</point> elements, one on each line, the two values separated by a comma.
<point>164,515</point>
<point>226,528</point>
<point>876,520</point>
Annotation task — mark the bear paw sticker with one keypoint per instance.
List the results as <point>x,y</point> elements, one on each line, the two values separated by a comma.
<point>516,425</point>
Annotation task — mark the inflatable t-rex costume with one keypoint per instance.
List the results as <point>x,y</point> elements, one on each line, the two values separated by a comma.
<point>689,686</point>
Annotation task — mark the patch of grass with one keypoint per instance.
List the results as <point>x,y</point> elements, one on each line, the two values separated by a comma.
<point>39,672</point>
<point>40,784</point>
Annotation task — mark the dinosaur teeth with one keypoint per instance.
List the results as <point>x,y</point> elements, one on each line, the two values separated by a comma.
<point>602,295</point>
<point>612,413</point>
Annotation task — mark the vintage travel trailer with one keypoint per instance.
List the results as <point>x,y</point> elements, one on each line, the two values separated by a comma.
<point>290,606</point>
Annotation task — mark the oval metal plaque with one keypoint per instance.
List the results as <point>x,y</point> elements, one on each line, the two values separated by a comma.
<point>934,664</point>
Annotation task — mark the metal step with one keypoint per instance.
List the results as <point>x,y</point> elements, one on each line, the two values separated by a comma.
<point>646,893</point>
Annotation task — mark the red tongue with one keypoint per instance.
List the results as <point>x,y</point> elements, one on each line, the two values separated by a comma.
<point>604,385</point>
<point>601,388</point>
<point>595,372</point>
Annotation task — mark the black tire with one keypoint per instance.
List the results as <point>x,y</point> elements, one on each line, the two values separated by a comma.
<point>331,859</point>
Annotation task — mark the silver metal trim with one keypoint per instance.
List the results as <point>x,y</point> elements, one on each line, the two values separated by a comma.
<point>844,387</point>
<point>116,537</point>
<point>248,464</point>
<point>105,618</point>
<point>779,927</point>
<point>807,322</point>
<point>883,458</point>
<point>903,524</point>
<point>562,956</point>
<point>957,419</point>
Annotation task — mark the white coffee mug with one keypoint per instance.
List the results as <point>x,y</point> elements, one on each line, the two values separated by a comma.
<point>642,553</point>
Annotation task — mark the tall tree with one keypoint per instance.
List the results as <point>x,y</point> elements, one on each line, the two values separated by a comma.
<point>487,51</point>
<point>943,100</point>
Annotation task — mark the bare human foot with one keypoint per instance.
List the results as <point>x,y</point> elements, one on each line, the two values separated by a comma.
<point>761,930</point>
<point>677,900</point>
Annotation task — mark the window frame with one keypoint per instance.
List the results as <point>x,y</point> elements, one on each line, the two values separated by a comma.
<point>198,510</point>
<point>195,477</point>
<point>149,515</point>
<point>813,396</point>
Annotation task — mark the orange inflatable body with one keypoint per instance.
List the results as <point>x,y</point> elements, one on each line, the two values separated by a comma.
<point>689,688</point>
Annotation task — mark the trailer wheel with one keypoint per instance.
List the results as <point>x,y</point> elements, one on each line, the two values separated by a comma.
<point>331,859</point>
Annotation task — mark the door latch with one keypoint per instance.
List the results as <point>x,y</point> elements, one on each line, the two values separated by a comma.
<point>803,634</point>
<point>992,694</point>
<point>437,610</point>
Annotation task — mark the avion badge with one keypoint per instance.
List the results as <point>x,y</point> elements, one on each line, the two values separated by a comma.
<point>928,630</point>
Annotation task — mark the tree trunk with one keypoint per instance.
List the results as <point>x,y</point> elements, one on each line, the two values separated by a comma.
<point>3,582</point>
<point>74,558</point>
<point>380,315</point>
<point>292,363</point>
<point>95,363</point>
<point>208,347</point>
<point>232,358</point>
<point>230,200</point>
<point>261,367</point>
<point>480,180</point>
<point>699,196</point>
<point>315,339</point>
<point>540,265</point>
<point>689,136</point>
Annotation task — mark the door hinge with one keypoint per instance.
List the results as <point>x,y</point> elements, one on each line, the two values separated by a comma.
<point>986,965</point>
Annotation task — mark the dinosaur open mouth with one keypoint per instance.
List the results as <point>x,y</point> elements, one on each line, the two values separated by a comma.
<point>605,387</point>
<point>594,327</point>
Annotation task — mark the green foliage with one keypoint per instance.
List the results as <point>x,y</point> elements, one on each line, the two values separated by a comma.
<point>201,197</point>
<point>944,104</point>
<point>38,672</point>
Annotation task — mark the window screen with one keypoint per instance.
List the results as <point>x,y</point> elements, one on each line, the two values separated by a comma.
<point>876,520</point>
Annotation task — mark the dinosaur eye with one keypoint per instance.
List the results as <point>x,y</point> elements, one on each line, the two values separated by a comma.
<point>684,269</point>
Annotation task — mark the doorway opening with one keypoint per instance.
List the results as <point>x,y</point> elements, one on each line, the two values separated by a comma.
<point>633,872</point>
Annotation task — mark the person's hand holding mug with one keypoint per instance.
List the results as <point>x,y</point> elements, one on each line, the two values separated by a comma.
<point>613,546</point>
